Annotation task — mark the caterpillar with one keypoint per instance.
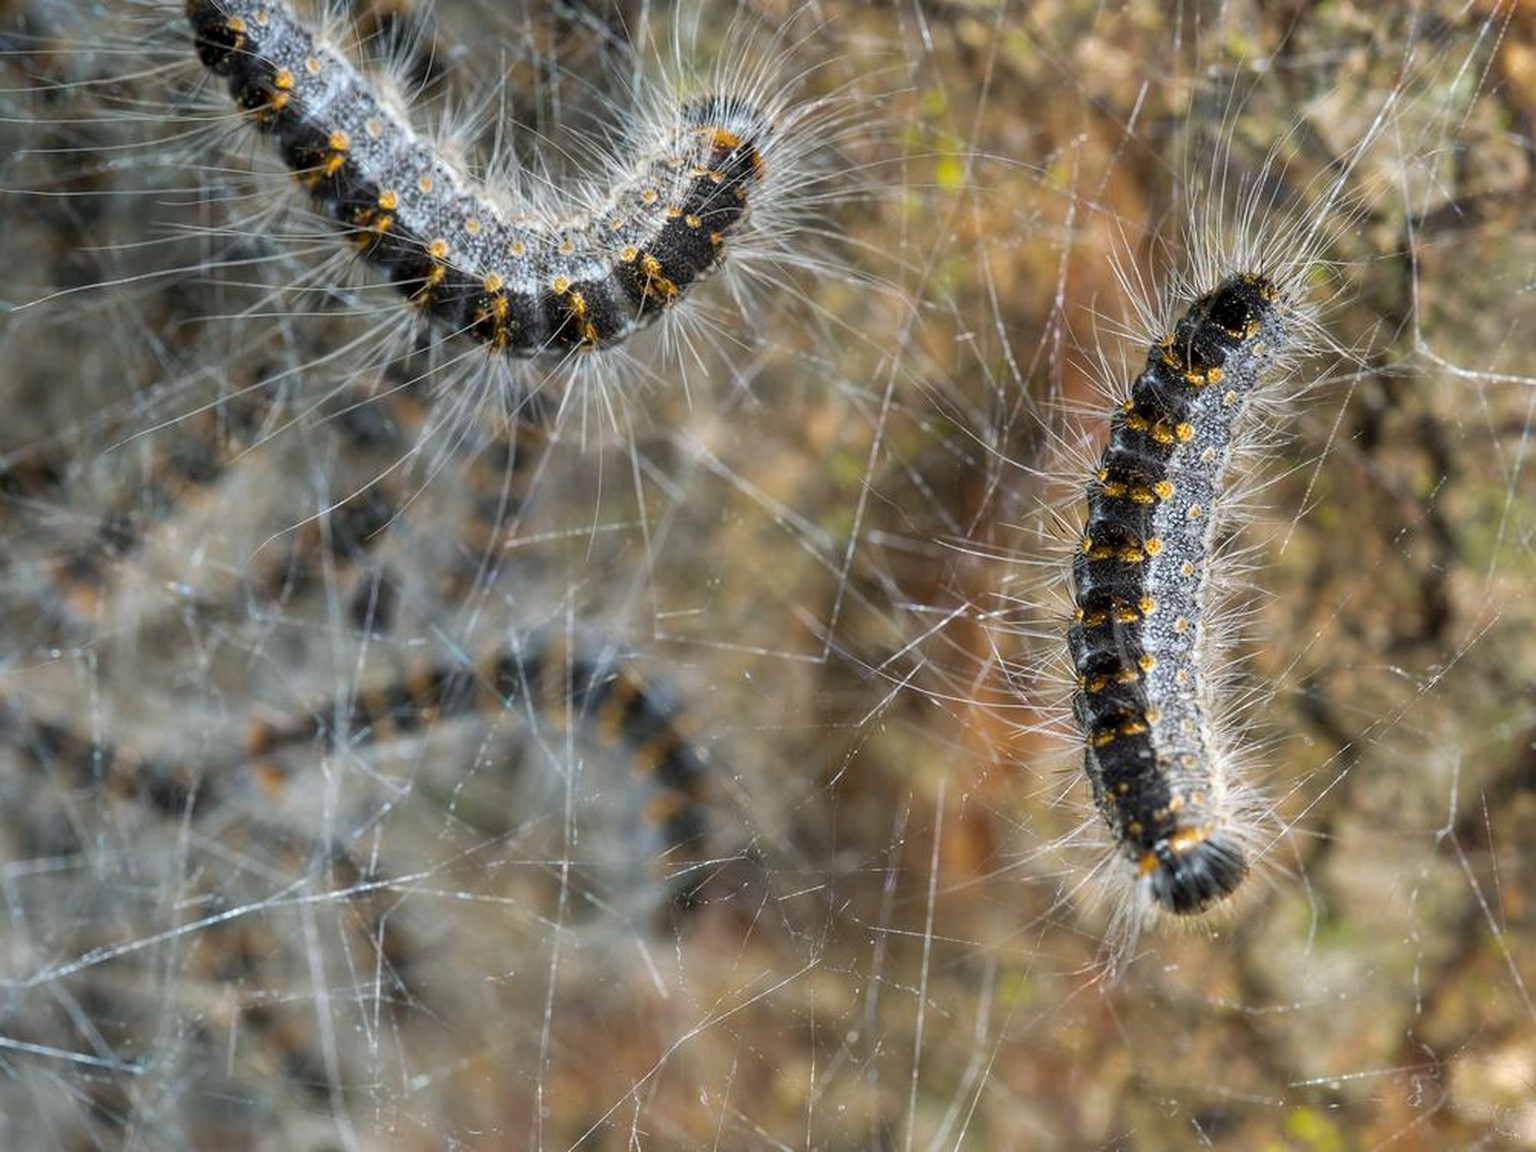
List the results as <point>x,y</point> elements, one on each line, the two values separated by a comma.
<point>1142,587</point>
<point>1156,572</point>
<point>597,691</point>
<point>514,280</point>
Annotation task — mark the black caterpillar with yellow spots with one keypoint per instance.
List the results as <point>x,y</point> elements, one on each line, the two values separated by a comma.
<point>1138,641</point>
<point>597,692</point>
<point>517,280</point>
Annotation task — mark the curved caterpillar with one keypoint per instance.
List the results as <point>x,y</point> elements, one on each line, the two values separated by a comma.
<point>1141,580</point>
<point>515,280</point>
<point>600,692</point>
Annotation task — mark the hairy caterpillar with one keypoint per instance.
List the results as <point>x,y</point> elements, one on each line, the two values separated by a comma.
<point>521,269</point>
<point>595,691</point>
<point>509,279</point>
<point>1141,585</point>
<point>1160,575</point>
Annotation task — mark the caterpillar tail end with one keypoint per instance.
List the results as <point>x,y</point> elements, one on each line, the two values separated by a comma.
<point>1191,871</point>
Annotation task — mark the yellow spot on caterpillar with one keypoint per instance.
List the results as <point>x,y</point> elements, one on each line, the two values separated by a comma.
<point>1147,605</point>
<point>1186,839</point>
<point>336,155</point>
<point>1132,727</point>
<point>629,255</point>
<point>1147,662</point>
<point>438,249</point>
<point>649,196</point>
<point>374,127</point>
<point>516,248</point>
<point>560,285</point>
<point>270,776</point>
<point>1195,511</point>
<point>259,738</point>
<point>1185,432</point>
<point>389,200</point>
<point>472,226</point>
<point>312,65</point>
<point>657,284</point>
<point>493,283</point>
<point>425,183</point>
<point>724,141</point>
<point>1163,489</point>
<point>1187,568</point>
<point>663,808</point>
<point>674,211</point>
<point>1181,625</point>
<point>1102,739</point>
<point>1229,399</point>
<point>1153,546</point>
<point>1126,615</point>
